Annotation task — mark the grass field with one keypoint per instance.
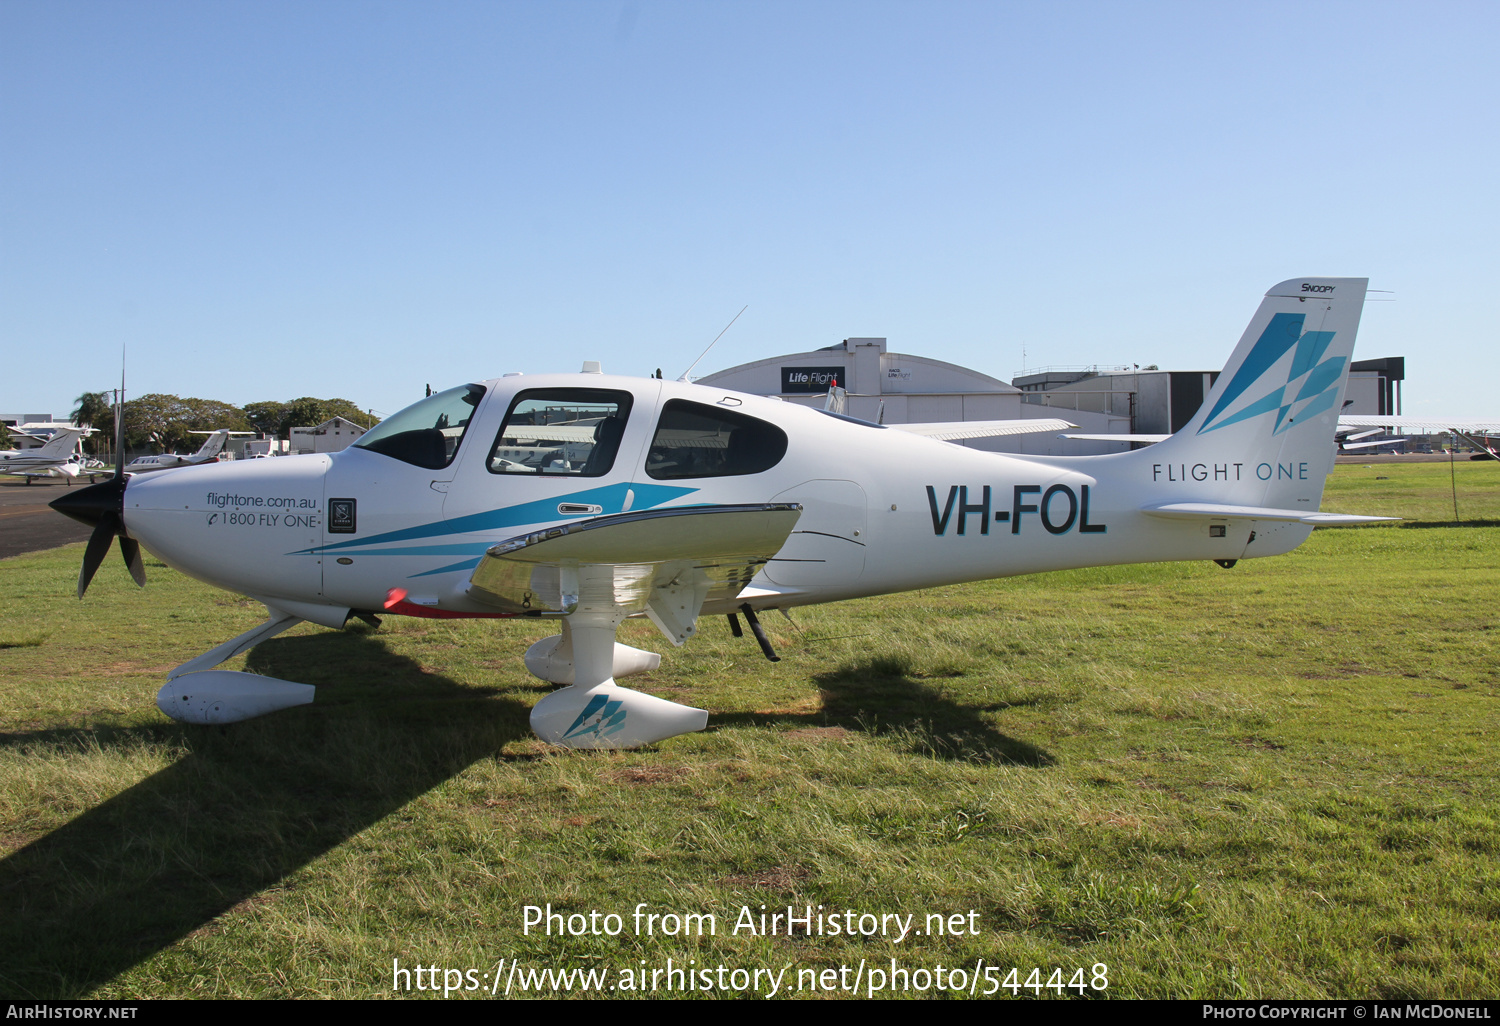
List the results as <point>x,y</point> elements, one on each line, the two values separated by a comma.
<point>1274,781</point>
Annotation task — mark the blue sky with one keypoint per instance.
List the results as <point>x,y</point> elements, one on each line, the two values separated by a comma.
<point>267,200</point>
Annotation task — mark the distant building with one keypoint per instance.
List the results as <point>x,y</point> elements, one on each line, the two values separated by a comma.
<point>251,448</point>
<point>1375,386</point>
<point>31,430</point>
<point>1159,402</point>
<point>897,388</point>
<point>333,435</point>
<point>1154,401</point>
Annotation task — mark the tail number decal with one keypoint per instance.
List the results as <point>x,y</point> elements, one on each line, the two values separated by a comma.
<point>1058,509</point>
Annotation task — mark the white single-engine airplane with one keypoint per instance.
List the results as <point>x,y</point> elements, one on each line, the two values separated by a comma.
<point>677,501</point>
<point>208,452</point>
<point>54,459</point>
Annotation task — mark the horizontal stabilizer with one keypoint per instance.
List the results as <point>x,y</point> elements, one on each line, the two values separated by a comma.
<point>956,430</point>
<point>1219,511</point>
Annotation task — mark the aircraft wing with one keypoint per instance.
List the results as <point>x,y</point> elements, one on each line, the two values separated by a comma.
<point>1348,446</point>
<point>1474,432</point>
<point>1419,425</point>
<point>957,430</point>
<point>665,563</point>
<point>1152,439</point>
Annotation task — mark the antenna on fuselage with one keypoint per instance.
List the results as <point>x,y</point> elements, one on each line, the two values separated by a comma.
<point>711,344</point>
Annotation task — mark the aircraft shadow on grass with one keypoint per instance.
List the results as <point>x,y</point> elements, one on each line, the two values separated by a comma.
<point>878,696</point>
<point>253,802</point>
<point>247,806</point>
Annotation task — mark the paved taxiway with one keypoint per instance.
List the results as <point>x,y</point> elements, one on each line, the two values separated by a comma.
<point>27,525</point>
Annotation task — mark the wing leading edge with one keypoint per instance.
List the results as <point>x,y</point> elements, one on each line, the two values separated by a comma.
<point>956,430</point>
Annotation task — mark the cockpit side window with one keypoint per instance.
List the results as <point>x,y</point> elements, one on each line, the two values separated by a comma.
<point>428,433</point>
<point>694,440</point>
<point>567,431</point>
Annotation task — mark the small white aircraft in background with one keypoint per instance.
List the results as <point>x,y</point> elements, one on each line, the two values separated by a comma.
<point>208,452</point>
<point>677,501</point>
<point>1349,440</point>
<point>1349,435</point>
<point>1478,433</point>
<point>56,458</point>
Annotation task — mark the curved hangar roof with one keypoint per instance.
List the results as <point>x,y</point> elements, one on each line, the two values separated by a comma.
<point>860,365</point>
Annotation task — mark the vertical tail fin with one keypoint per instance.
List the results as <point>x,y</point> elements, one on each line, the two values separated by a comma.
<point>60,445</point>
<point>1271,415</point>
<point>212,446</point>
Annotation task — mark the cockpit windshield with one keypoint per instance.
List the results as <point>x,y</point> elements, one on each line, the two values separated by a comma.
<point>428,433</point>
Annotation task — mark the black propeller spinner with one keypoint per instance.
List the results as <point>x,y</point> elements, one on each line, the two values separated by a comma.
<point>103,505</point>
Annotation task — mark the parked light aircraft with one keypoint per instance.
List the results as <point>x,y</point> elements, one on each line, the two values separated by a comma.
<point>1348,435</point>
<point>209,451</point>
<point>1477,433</point>
<point>678,501</point>
<point>54,459</point>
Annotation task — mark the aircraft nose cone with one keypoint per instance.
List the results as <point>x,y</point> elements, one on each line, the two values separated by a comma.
<point>88,505</point>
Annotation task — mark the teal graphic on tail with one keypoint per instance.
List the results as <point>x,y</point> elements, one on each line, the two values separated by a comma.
<point>1273,411</point>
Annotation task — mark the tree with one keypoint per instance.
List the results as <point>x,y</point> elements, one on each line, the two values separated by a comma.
<point>94,410</point>
<point>267,417</point>
<point>278,419</point>
<point>167,422</point>
<point>346,409</point>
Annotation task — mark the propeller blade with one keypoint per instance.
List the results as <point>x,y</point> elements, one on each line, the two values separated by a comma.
<point>120,422</point>
<point>97,550</point>
<point>131,550</point>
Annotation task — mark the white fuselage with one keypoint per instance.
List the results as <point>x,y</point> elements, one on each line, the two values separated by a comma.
<point>883,510</point>
<point>673,500</point>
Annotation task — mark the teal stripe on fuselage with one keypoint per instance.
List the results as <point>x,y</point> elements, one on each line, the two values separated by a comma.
<point>611,499</point>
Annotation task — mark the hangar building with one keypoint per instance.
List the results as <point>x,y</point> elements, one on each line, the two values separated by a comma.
<point>897,388</point>
<point>1159,402</point>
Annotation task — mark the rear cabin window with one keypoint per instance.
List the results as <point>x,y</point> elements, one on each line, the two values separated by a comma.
<point>561,431</point>
<point>694,440</point>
